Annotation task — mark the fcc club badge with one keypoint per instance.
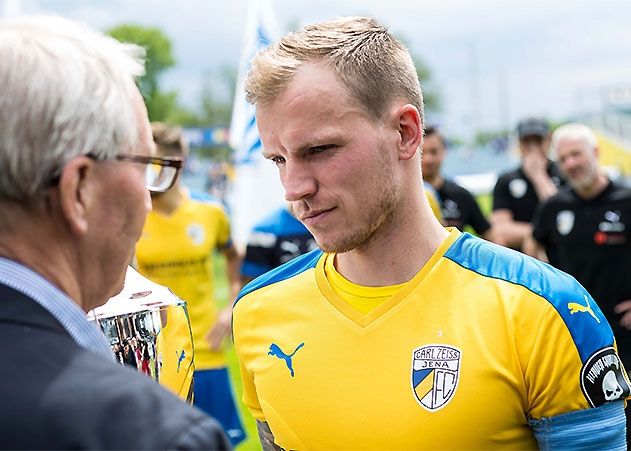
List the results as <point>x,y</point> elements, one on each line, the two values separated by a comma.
<point>603,378</point>
<point>435,370</point>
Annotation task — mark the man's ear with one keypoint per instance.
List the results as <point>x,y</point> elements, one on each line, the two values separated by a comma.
<point>410,128</point>
<point>76,193</point>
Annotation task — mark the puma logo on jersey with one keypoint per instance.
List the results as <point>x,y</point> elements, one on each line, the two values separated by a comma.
<point>575,307</point>
<point>275,350</point>
<point>180,357</point>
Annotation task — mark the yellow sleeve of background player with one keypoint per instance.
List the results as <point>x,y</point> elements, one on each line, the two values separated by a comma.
<point>434,204</point>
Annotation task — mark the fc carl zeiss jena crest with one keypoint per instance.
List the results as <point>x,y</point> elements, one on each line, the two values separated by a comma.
<point>435,371</point>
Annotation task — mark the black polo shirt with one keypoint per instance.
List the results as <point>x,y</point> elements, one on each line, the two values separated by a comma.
<point>460,209</point>
<point>592,242</point>
<point>515,192</point>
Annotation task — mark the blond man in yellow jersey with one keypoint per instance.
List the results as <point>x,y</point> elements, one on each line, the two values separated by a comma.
<point>176,250</point>
<point>401,334</point>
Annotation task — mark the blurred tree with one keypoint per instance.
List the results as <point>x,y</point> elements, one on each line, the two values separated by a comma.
<point>431,95</point>
<point>159,58</point>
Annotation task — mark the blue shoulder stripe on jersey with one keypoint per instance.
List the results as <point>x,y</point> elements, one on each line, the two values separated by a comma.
<point>557,287</point>
<point>283,272</point>
<point>204,197</point>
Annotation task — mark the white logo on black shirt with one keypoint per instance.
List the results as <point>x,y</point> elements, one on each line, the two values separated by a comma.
<point>518,188</point>
<point>565,221</point>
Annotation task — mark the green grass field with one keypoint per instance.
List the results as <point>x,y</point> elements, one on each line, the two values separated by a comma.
<point>221,292</point>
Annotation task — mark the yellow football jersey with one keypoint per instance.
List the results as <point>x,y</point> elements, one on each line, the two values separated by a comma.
<point>176,251</point>
<point>482,340</point>
<point>433,199</point>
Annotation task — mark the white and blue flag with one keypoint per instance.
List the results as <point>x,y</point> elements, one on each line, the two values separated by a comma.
<point>256,190</point>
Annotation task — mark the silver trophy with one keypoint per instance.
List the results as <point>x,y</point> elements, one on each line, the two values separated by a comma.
<point>148,329</point>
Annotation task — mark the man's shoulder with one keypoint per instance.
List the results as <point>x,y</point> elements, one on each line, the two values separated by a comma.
<point>565,196</point>
<point>122,400</point>
<point>545,282</point>
<point>66,396</point>
<point>284,272</point>
<point>619,192</point>
<point>511,174</point>
<point>452,190</point>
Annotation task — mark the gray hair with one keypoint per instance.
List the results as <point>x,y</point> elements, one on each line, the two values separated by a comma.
<point>65,90</point>
<point>375,66</point>
<point>576,131</point>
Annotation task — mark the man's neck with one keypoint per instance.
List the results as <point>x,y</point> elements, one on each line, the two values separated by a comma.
<point>167,203</point>
<point>38,248</point>
<point>598,186</point>
<point>397,251</point>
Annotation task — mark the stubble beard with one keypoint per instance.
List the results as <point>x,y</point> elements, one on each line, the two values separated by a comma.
<point>584,181</point>
<point>360,234</point>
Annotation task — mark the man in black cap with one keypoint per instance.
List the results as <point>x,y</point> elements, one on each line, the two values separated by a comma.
<point>518,192</point>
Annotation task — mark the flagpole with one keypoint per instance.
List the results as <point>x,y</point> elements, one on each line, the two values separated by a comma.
<point>256,191</point>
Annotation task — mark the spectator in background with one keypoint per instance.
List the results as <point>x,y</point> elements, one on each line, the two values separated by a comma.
<point>459,208</point>
<point>588,224</point>
<point>275,240</point>
<point>176,250</point>
<point>517,193</point>
<point>75,145</point>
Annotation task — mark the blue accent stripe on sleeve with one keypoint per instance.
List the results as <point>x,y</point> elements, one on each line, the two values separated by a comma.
<point>290,269</point>
<point>558,288</point>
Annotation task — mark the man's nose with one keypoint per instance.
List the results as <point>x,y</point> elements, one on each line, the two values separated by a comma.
<point>298,180</point>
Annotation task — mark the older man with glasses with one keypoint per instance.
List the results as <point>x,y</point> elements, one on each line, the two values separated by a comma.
<point>76,159</point>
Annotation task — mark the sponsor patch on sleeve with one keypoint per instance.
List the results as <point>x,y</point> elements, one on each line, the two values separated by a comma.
<point>603,378</point>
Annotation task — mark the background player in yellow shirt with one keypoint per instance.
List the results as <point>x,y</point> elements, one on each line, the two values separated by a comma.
<point>176,250</point>
<point>401,334</point>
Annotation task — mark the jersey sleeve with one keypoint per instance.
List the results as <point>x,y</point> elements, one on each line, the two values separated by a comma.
<point>476,218</point>
<point>245,355</point>
<point>501,195</point>
<point>569,359</point>
<point>434,201</point>
<point>224,238</point>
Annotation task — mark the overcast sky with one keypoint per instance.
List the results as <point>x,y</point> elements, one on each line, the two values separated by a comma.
<point>494,61</point>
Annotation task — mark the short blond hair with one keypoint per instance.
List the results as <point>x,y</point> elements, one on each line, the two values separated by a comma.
<point>375,66</point>
<point>169,140</point>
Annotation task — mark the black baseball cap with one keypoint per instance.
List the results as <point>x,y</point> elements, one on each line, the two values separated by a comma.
<point>532,126</point>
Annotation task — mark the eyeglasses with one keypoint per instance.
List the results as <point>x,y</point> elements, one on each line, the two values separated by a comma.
<point>161,171</point>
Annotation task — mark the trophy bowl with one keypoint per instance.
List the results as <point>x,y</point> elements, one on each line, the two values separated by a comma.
<point>148,328</point>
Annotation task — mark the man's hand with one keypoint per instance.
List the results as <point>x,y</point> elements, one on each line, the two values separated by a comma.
<point>535,165</point>
<point>624,308</point>
<point>221,329</point>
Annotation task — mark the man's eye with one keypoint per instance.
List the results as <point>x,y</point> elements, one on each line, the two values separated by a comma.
<point>318,149</point>
<point>278,160</point>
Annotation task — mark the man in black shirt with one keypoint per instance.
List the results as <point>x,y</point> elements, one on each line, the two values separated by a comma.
<point>518,192</point>
<point>459,208</point>
<point>589,225</point>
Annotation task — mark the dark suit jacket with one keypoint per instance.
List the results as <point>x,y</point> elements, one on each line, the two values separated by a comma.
<point>55,394</point>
